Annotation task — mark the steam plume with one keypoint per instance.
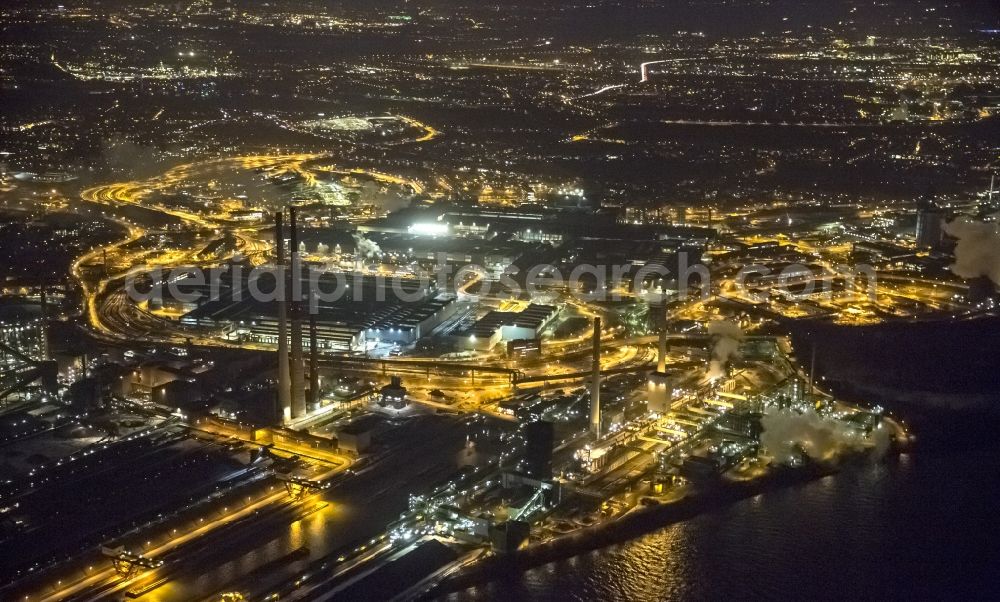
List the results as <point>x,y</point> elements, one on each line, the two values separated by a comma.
<point>787,433</point>
<point>727,336</point>
<point>978,250</point>
<point>366,248</point>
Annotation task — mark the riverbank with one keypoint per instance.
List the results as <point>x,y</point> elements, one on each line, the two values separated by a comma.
<point>635,523</point>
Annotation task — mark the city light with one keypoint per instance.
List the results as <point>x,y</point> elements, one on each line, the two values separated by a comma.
<point>312,300</point>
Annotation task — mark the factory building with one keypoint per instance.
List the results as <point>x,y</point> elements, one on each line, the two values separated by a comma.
<point>27,336</point>
<point>24,353</point>
<point>393,395</point>
<point>497,326</point>
<point>355,438</point>
<point>370,309</point>
<point>930,227</point>
<point>539,438</point>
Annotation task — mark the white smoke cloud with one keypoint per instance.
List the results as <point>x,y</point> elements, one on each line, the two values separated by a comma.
<point>787,433</point>
<point>727,336</point>
<point>881,438</point>
<point>366,248</point>
<point>978,250</point>
<point>716,370</point>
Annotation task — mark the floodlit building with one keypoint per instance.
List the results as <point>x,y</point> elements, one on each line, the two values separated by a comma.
<point>356,437</point>
<point>368,309</point>
<point>393,395</point>
<point>497,326</point>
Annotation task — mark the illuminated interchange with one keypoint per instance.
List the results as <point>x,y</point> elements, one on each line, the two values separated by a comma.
<point>303,349</point>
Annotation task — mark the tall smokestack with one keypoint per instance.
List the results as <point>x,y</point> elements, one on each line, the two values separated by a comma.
<point>45,325</point>
<point>812,371</point>
<point>660,387</point>
<point>595,382</point>
<point>313,362</point>
<point>298,378</point>
<point>284,382</point>
<point>661,358</point>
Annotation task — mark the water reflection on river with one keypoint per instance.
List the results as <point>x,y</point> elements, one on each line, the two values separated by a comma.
<point>924,525</point>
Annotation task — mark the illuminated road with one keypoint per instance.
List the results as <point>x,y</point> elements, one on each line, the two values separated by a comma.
<point>429,132</point>
<point>105,582</point>
<point>110,580</point>
<point>644,67</point>
<point>422,450</point>
<point>90,294</point>
<point>113,315</point>
<point>106,311</point>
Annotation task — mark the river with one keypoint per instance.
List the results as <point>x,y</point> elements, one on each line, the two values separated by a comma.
<point>921,525</point>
